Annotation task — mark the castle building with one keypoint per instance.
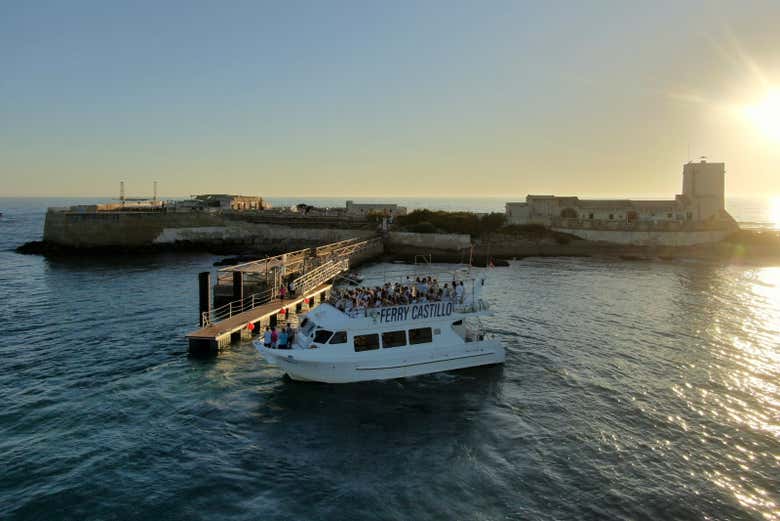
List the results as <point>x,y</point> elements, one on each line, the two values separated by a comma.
<point>363,209</point>
<point>699,209</point>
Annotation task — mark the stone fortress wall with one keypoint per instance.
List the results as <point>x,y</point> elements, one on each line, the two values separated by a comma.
<point>134,229</point>
<point>697,215</point>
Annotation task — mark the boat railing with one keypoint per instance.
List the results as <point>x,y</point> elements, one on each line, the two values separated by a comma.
<point>464,307</point>
<point>474,332</point>
<point>477,306</point>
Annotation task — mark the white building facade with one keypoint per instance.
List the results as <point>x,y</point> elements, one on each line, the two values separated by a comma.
<point>363,209</point>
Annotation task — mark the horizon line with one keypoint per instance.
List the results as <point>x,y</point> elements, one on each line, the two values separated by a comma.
<point>387,197</point>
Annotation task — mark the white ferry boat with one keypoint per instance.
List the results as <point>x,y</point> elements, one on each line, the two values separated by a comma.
<point>354,344</point>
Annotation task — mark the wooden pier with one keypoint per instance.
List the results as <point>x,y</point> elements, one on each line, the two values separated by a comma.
<point>311,271</point>
<point>221,334</point>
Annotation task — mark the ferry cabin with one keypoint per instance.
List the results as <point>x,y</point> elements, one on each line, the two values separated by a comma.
<point>388,342</point>
<point>385,328</point>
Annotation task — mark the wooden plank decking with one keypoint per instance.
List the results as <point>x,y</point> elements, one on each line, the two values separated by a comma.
<point>212,333</point>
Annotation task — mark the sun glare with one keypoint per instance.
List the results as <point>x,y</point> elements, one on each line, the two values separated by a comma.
<point>774,212</point>
<point>765,115</point>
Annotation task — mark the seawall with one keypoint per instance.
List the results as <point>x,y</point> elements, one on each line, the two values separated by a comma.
<point>408,244</point>
<point>649,237</point>
<point>748,247</point>
<point>171,230</point>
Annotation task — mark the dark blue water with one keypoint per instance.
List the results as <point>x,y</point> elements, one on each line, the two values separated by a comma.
<point>630,391</point>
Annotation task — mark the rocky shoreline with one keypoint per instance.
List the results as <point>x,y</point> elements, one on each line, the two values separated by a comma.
<point>49,249</point>
<point>750,247</point>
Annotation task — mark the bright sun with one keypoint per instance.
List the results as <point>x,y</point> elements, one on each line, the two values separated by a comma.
<point>765,115</point>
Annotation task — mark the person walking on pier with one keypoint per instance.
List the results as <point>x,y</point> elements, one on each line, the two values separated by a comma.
<point>283,292</point>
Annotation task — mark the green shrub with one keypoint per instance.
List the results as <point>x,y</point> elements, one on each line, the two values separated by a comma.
<point>423,227</point>
<point>452,222</point>
<point>525,229</point>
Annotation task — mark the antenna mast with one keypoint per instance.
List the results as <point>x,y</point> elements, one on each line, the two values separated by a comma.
<point>122,192</point>
<point>155,192</point>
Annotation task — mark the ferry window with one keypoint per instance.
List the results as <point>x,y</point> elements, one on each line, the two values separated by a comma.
<point>423,335</point>
<point>366,342</point>
<point>307,326</point>
<point>393,339</point>
<point>322,336</point>
<point>339,337</point>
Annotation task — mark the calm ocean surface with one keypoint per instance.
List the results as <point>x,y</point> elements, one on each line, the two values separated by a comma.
<point>631,391</point>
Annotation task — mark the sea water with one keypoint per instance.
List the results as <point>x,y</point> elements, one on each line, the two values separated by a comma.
<point>631,390</point>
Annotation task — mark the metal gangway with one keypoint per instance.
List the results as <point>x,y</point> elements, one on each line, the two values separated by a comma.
<point>303,285</point>
<point>270,271</point>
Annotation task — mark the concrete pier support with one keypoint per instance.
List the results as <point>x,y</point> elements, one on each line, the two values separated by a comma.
<point>204,294</point>
<point>238,285</point>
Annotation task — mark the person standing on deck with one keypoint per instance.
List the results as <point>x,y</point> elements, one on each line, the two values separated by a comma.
<point>267,337</point>
<point>290,336</point>
<point>283,339</point>
<point>291,288</point>
<point>274,337</point>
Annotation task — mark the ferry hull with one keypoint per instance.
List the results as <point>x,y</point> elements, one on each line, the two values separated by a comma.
<point>485,352</point>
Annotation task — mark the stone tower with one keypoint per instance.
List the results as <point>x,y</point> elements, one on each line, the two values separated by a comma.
<point>704,186</point>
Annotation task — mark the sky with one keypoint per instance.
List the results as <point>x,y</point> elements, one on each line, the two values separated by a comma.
<point>364,98</point>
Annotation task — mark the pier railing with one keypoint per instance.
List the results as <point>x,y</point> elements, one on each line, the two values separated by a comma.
<point>233,308</point>
<point>320,274</point>
<point>303,284</point>
<point>292,262</point>
<point>347,250</point>
<point>329,249</point>
<point>297,261</point>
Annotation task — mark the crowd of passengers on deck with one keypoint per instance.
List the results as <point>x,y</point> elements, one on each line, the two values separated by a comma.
<point>421,290</point>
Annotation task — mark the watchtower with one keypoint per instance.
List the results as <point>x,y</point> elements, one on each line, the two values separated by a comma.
<point>704,186</point>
